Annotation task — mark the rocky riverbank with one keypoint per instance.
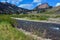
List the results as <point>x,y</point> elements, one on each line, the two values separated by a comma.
<point>38,27</point>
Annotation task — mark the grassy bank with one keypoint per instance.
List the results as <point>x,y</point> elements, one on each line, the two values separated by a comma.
<point>42,16</point>
<point>32,16</point>
<point>8,32</point>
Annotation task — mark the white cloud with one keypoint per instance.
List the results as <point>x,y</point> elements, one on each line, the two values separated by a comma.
<point>16,1</point>
<point>8,1</point>
<point>28,6</point>
<point>12,1</point>
<point>36,0</point>
<point>38,3</point>
<point>31,5</point>
<point>58,4</point>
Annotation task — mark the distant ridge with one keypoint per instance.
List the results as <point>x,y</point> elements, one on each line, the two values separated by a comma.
<point>10,8</point>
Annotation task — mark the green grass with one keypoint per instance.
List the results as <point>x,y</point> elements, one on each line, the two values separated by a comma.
<point>58,16</point>
<point>5,18</point>
<point>32,17</point>
<point>8,32</point>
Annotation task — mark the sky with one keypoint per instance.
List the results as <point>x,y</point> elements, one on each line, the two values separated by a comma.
<point>31,4</point>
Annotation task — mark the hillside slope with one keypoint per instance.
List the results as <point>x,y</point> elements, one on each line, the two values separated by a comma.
<point>7,32</point>
<point>10,8</point>
<point>55,10</point>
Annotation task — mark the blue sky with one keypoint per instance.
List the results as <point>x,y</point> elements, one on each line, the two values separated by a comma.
<point>30,4</point>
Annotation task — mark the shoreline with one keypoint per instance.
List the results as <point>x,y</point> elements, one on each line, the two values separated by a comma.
<point>44,21</point>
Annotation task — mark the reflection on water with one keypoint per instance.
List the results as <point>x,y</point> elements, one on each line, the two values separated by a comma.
<point>55,28</point>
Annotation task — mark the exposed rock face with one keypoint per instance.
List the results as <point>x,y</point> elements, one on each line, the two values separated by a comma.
<point>43,6</point>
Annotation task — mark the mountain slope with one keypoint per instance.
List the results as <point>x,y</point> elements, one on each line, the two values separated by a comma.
<point>10,8</point>
<point>55,10</point>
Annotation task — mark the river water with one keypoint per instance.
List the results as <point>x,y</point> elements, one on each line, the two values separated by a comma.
<point>53,29</point>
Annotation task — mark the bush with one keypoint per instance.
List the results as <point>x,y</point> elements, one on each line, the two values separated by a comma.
<point>7,32</point>
<point>32,17</point>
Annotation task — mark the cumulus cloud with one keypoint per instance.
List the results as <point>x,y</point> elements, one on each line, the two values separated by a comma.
<point>8,1</point>
<point>12,1</point>
<point>31,5</point>
<point>38,3</point>
<point>28,6</point>
<point>36,0</point>
<point>58,4</point>
<point>16,1</point>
